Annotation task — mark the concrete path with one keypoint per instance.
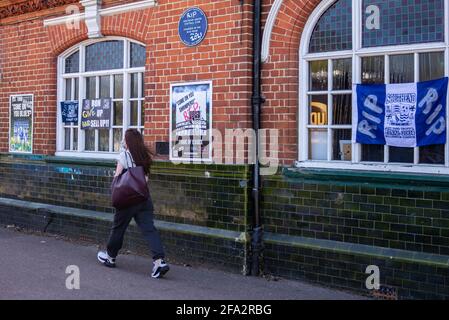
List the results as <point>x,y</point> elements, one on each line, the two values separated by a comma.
<point>34,267</point>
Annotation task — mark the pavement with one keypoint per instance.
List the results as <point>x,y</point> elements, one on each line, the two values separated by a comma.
<point>34,267</point>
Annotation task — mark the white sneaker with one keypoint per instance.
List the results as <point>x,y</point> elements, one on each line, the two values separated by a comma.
<point>160,268</point>
<point>105,259</point>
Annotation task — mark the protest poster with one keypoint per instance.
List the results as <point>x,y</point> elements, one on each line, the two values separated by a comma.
<point>191,122</point>
<point>21,123</point>
<point>96,114</point>
<point>69,112</point>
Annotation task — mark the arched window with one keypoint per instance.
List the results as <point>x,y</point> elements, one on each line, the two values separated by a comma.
<point>111,68</point>
<point>347,42</point>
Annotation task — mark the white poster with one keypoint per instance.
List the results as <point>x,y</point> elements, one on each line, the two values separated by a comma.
<point>400,109</point>
<point>21,109</point>
<point>191,122</point>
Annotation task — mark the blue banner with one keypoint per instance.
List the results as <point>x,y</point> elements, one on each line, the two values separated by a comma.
<point>69,112</point>
<point>401,115</point>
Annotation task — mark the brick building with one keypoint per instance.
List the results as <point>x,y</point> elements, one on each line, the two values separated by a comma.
<point>333,208</point>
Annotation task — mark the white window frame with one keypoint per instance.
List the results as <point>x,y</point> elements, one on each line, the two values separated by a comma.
<point>126,72</point>
<point>356,54</point>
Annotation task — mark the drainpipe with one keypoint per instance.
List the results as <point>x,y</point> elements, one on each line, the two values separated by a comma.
<point>257,100</point>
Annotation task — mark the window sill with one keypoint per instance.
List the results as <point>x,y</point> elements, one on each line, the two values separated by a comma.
<point>87,161</point>
<point>420,176</point>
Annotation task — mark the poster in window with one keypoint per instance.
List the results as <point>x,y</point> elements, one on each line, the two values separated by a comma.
<point>21,123</point>
<point>191,122</point>
<point>96,114</point>
<point>69,112</point>
<point>403,115</point>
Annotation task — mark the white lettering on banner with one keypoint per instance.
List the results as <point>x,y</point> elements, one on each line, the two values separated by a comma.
<point>370,117</point>
<point>440,125</point>
<point>435,129</point>
<point>434,114</point>
<point>371,103</point>
<point>364,127</point>
<point>431,97</point>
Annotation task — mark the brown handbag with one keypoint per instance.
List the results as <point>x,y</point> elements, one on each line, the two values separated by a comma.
<point>129,188</point>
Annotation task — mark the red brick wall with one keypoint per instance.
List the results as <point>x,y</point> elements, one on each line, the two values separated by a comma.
<point>27,66</point>
<point>281,73</point>
<point>29,53</point>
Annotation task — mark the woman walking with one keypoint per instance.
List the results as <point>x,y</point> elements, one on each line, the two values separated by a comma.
<point>135,154</point>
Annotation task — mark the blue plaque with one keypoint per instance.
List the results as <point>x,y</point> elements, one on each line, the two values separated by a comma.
<point>192,27</point>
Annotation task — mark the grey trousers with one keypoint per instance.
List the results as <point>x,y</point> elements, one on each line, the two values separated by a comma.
<point>143,215</point>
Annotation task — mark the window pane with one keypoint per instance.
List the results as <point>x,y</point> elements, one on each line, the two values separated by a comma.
<point>318,110</point>
<point>103,140</point>
<point>68,89</point>
<point>91,88</point>
<point>318,144</point>
<point>402,68</point>
<point>401,155</point>
<point>118,86</point>
<point>89,142</point>
<point>342,109</point>
<point>373,70</point>
<point>105,87</point>
<point>117,139</point>
<point>432,154</point>
<point>72,63</point>
<point>142,90</point>
<point>333,32</point>
<point>106,55</point>
<point>75,139</point>
<point>137,55</point>
<point>118,113</point>
<point>342,145</point>
<point>373,153</point>
<point>134,113</point>
<point>431,66</point>
<point>76,89</point>
<point>67,139</point>
<point>404,22</point>
<point>342,74</point>
<point>134,85</point>
<point>318,76</point>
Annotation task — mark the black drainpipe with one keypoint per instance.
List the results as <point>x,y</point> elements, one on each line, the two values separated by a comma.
<point>257,101</point>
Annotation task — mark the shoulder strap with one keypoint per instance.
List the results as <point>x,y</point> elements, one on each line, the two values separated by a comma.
<point>131,158</point>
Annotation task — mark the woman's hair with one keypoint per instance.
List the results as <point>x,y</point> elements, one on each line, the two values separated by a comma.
<point>139,151</point>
